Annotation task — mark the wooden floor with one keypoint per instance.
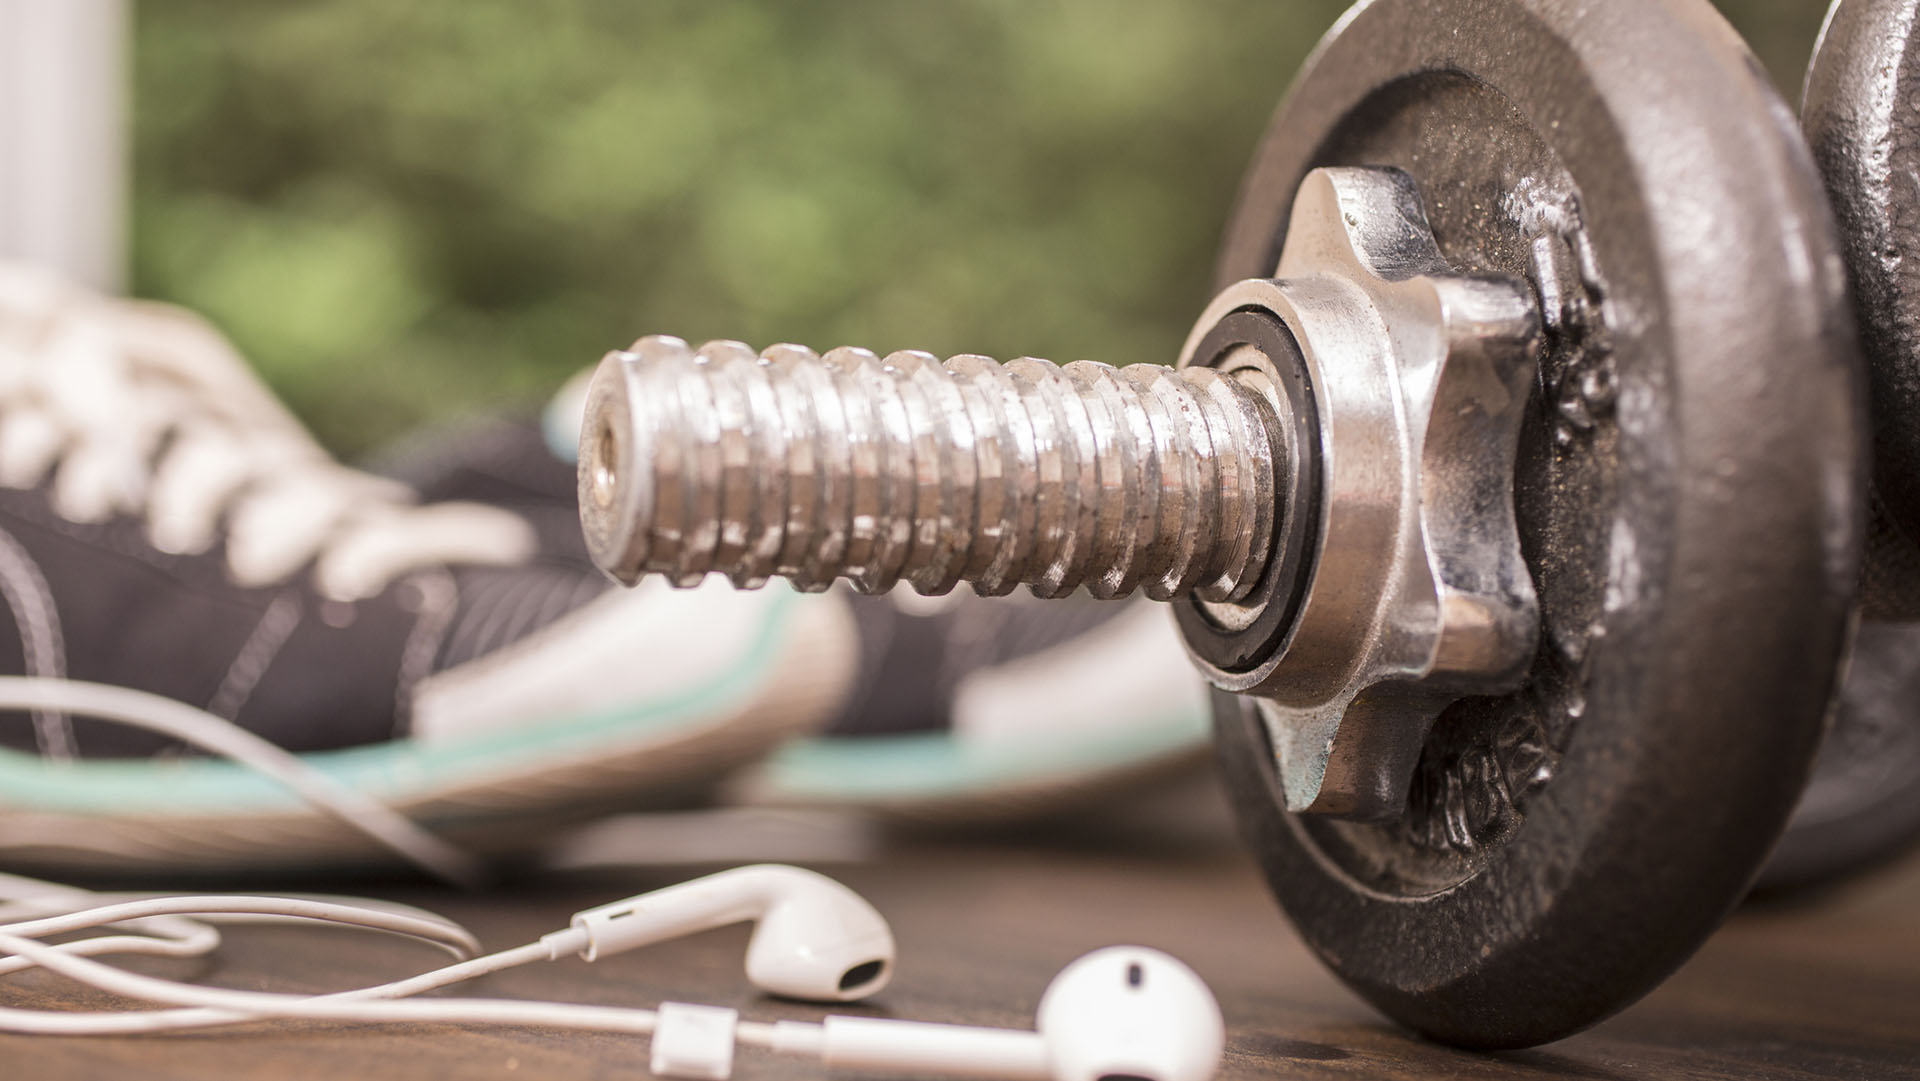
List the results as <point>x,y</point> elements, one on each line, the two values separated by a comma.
<point>1824,989</point>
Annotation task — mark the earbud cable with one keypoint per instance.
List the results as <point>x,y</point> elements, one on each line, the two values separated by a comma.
<point>449,936</point>
<point>167,929</point>
<point>210,1005</point>
<point>219,1005</point>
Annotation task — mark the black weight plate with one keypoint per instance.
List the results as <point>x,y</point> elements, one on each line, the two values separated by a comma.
<point>1695,546</point>
<point>1860,116</point>
<point>1860,120</point>
<point>1863,805</point>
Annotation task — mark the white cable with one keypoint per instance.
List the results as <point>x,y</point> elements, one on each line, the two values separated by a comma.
<point>61,909</point>
<point>399,918</point>
<point>23,899</point>
<point>451,937</point>
<point>170,933</point>
<point>164,929</point>
<point>460,973</point>
<point>230,1006</point>
<point>169,936</point>
<point>90,899</point>
<point>202,941</point>
<point>125,1022</point>
<point>124,705</point>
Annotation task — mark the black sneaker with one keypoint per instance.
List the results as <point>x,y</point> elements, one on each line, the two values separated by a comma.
<point>166,526</point>
<point>964,710</point>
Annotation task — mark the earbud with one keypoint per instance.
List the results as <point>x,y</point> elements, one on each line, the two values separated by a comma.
<point>814,938</point>
<point>1124,1012</point>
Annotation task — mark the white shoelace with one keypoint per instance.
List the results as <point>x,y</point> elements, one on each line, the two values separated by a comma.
<point>142,410</point>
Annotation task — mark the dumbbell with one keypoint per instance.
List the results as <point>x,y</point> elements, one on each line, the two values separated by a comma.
<point>1510,493</point>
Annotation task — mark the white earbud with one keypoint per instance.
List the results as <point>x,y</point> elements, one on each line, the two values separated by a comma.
<point>1122,1012</point>
<point>1130,1012</point>
<point>813,938</point>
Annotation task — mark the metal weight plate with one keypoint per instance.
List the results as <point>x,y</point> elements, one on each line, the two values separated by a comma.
<point>1863,804</point>
<point>1687,492</point>
<point>1862,119</point>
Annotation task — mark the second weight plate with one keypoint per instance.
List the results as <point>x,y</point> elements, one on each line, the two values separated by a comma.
<point>1862,118</point>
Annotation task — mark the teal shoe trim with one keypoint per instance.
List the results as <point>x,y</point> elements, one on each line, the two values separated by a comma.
<point>393,772</point>
<point>937,764</point>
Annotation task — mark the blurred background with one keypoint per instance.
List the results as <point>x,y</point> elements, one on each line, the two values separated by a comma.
<point>409,211</point>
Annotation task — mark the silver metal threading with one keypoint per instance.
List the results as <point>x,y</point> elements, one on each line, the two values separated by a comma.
<point>791,464</point>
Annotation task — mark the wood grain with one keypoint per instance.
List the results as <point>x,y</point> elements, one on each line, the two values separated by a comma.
<point>1821,989</point>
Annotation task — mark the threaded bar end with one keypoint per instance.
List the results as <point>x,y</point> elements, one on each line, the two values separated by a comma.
<point>792,464</point>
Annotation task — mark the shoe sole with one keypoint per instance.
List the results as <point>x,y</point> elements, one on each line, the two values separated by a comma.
<point>1085,718</point>
<point>938,778</point>
<point>496,793</point>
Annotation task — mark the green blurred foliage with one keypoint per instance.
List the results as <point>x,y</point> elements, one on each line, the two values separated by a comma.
<point>408,210</point>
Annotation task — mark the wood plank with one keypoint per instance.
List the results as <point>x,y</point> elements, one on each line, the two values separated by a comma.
<point>1810,990</point>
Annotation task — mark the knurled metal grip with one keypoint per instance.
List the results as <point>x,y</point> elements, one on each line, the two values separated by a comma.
<point>1324,482</point>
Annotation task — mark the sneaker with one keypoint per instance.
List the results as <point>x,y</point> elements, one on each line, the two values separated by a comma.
<point>971,710</point>
<point>166,526</point>
<point>964,709</point>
